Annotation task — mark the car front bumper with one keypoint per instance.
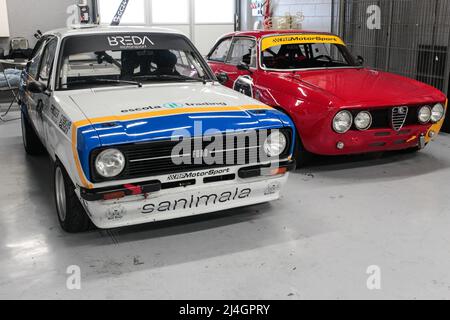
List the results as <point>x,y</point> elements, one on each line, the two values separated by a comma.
<point>173,203</point>
<point>374,140</point>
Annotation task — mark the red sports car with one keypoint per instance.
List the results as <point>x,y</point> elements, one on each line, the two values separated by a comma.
<point>338,106</point>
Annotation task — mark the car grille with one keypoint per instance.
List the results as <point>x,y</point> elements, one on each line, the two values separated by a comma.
<point>155,158</point>
<point>398,118</point>
<point>389,118</point>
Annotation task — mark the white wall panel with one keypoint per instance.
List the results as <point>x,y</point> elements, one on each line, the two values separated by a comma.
<point>207,35</point>
<point>4,24</point>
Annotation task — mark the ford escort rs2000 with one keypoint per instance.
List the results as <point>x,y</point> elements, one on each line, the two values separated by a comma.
<point>338,106</point>
<point>140,130</point>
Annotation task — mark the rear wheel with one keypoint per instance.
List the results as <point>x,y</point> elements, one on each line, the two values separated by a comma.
<point>31,142</point>
<point>71,214</point>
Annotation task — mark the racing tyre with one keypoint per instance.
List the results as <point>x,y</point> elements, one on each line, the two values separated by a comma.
<point>31,142</point>
<point>71,214</point>
<point>301,155</point>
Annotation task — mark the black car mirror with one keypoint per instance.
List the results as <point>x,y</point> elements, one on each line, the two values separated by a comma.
<point>222,77</point>
<point>36,87</point>
<point>360,60</point>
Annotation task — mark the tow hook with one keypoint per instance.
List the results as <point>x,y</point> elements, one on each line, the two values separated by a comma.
<point>422,141</point>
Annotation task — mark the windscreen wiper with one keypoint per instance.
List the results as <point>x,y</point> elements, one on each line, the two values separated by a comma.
<point>136,83</point>
<point>169,77</point>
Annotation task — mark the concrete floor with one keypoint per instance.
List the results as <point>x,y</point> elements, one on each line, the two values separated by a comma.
<point>335,220</point>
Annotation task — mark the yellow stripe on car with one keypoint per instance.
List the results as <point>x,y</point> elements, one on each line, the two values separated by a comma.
<point>170,112</point>
<point>274,41</point>
<point>436,128</point>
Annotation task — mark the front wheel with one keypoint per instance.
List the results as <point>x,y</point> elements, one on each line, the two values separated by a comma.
<point>301,155</point>
<point>71,214</point>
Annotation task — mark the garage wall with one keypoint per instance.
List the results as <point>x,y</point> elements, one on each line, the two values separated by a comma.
<point>413,40</point>
<point>317,13</point>
<point>26,16</point>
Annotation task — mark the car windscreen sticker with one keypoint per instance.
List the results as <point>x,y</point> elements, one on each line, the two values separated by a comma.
<point>270,42</point>
<point>124,41</point>
<point>130,42</point>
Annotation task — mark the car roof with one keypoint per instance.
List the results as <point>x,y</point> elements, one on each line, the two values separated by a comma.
<point>263,33</point>
<point>83,29</point>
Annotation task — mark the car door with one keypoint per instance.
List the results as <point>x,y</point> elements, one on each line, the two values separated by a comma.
<point>239,63</point>
<point>41,101</point>
<point>32,71</point>
<point>219,54</point>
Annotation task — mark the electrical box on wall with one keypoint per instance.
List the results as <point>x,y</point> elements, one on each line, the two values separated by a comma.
<point>4,24</point>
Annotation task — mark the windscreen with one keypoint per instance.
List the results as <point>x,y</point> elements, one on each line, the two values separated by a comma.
<point>123,59</point>
<point>294,52</point>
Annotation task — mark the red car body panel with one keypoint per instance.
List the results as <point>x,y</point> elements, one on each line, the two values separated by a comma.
<point>313,97</point>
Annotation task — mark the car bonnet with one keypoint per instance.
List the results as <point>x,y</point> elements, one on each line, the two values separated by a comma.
<point>131,114</point>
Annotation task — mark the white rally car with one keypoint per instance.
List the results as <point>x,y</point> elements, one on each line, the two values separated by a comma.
<point>140,130</point>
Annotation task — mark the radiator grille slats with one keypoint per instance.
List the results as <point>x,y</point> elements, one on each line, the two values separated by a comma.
<point>155,158</point>
<point>399,116</point>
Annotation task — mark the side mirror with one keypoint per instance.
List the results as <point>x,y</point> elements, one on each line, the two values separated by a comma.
<point>222,77</point>
<point>243,67</point>
<point>36,87</point>
<point>360,60</point>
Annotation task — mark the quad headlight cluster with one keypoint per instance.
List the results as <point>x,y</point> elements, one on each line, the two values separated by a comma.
<point>110,163</point>
<point>343,121</point>
<point>275,144</point>
<point>433,114</point>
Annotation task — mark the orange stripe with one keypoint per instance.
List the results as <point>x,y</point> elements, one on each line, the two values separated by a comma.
<point>169,112</point>
<point>77,159</point>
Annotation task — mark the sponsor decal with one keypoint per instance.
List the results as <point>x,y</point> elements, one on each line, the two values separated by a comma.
<point>299,39</point>
<point>196,201</point>
<point>176,105</point>
<point>54,112</point>
<point>130,42</point>
<point>120,11</point>
<point>193,175</point>
<point>64,124</point>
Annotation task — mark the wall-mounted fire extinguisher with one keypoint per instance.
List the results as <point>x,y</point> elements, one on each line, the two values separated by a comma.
<point>84,11</point>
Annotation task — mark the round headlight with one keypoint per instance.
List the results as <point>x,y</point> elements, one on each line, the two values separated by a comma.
<point>275,144</point>
<point>110,163</point>
<point>437,113</point>
<point>424,114</point>
<point>342,122</point>
<point>363,120</point>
